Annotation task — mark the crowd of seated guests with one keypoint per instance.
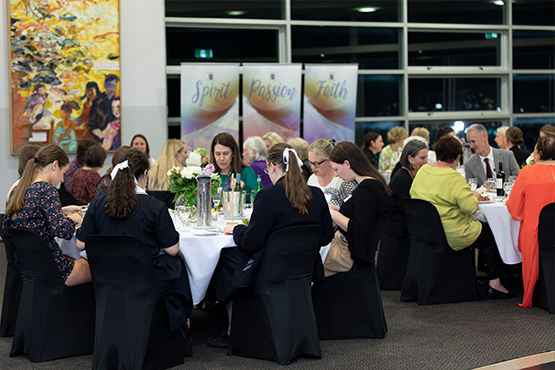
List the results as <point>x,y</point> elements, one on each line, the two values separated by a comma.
<point>86,178</point>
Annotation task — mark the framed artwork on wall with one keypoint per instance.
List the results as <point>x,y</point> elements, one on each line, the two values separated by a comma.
<point>64,73</point>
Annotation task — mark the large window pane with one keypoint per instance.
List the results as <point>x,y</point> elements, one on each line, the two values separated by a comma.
<point>378,95</point>
<point>361,10</point>
<point>533,93</point>
<point>533,49</point>
<point>173,86</point>
<point>453,49</point>
<point>455,11</point>
<point>459,127</point>
<point>382,127</point>
<point>531,129</point>
<point>538,12</point>
<point>454,94</point>
<point>267,9</point>
<point>221,45</point>
<point>371,47</point>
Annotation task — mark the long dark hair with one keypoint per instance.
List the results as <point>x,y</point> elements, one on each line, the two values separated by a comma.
<point>45,156</point>
<point>360,164</point>
<point>147,151</point>
<point>225,139</point>
<point>297,191</point>
<point>368,138</point>
<point>122,199</point>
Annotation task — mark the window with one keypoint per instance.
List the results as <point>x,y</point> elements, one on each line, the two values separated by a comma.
<point>533,93</point>
<point>267,9</point>
<point>455,11</point>
<point>378,95</point>
<point>533,49</point>
<point>360,11</point>
<point>538,12</point>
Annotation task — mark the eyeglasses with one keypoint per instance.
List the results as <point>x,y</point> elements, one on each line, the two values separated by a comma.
<point>265,169</point>
<point>316,164</point>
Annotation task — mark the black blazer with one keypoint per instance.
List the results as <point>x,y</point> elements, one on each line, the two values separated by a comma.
<point>272,212</point>
<point>520,155</point>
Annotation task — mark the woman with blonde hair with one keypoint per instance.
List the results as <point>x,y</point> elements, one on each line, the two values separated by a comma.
<point>301,146</point>
<point>501,137</point>
<point>391,153</point>
<point>173,154</point>
<point>271,138</point>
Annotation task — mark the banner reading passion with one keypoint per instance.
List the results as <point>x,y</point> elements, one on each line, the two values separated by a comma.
<point>209,102</point>
<point>271,100</point>
<point>330,102</point>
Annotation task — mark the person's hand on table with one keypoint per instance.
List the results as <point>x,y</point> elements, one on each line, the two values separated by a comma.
<point>476,194</point>
<point>76,217</point>
<point>68,210</point>
<point>228,230</point>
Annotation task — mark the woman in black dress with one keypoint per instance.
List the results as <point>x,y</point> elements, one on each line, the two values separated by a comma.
<point>514,142</point>
<point>373,144</point>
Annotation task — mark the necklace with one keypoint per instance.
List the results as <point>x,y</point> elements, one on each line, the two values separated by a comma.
<point>409,171</point>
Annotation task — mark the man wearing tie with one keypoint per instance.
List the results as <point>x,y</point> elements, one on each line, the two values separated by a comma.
<point>483,164</point>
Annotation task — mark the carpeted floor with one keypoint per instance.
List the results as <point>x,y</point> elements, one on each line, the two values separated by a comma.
<point>448,336</point>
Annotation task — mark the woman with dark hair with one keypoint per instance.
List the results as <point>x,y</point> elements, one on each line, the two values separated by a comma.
<point>106,180</point>
<point>514,140</point>
<point>140,142</point>
<point>27,152</point>
<point>225,155</point>
<point>373,144</point>
<point>289,202</point>
<point>128,210</point>
<point>35,205</point>
<point>444,131</point>
<point>440,184</point>
<point>85,179</point>
<point>78,161</point>
<point>533,189</point>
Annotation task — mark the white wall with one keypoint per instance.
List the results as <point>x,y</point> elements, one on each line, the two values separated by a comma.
<point>143,81</point>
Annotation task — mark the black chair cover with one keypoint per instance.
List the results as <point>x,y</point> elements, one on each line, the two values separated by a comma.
<point>393,258</point>
<point>66,198</point>
<point>12,290</point>
<point>274,320</point>
<point>544,292</point>
<point>165,196</point>
<point>132,328</point>
<point>53,320</point>
<point>435,273</point>
<point>349,304</point>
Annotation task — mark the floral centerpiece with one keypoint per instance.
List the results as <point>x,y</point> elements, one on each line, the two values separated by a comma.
<point>183,180</point>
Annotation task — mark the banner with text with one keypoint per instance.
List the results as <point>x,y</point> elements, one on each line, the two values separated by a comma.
<point>330,102</point>
<point>209,102</point>
<point>271,100</point>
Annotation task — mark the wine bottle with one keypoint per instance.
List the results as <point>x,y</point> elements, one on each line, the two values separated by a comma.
<point>500,179</point>
<point>238,183</point>
<point>258,187</point>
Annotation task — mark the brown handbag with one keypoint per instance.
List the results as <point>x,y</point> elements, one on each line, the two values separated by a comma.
<point>339,256</point>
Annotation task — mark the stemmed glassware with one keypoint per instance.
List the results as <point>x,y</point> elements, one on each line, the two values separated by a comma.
<point>508,187</point>
<point>217,199</point>
<point>183,210</point>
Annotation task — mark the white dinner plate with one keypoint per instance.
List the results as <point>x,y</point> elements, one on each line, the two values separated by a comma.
<point>208,232</point>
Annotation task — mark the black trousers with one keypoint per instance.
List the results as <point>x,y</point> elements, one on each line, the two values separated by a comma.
<point>486,243</point>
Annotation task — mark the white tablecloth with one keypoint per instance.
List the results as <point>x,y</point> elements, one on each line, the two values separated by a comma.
<point>505,230</point>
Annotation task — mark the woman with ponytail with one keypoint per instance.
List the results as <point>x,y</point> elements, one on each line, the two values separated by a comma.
<point>289,202</point>
<point>35,205</point>
<point>128,210</point>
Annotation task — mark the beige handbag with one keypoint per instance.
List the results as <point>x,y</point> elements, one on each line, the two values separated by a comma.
<point>339,256</point>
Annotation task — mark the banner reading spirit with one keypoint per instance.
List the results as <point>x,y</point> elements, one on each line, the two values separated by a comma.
<point>271,100</point>
<point>330,102</point>
<point>209,102</point>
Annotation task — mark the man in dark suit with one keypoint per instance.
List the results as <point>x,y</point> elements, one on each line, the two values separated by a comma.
<point>485,162</point>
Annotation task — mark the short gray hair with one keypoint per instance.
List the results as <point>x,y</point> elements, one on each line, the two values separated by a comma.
<point>256,143</point>
<point>478,128</point>
<point>411,148</point>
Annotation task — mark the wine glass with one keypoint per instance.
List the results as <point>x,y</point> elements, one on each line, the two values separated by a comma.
<point>473,182</point>
<point>217,199</point>
<point>508,187</point>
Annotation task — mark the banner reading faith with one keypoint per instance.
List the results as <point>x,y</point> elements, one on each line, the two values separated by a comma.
<point>271,100</point>
<point>330,102</point>
<point>209,102</point>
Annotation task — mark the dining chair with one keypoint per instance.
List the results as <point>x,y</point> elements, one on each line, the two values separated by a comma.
<point>349,304</point>
<point>274,319</point>
<point>544,291</point>
<point>66,198</point>
<point>164,196</point>
<point>132,328</point>
<point>435,273</point>
<point>12,289</point>
<point>393,258</point>
<point>53,320</point>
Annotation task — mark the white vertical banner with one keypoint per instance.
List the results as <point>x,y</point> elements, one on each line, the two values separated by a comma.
<point>272,99</point>
<point>330,102</point>
<point>209,102</point>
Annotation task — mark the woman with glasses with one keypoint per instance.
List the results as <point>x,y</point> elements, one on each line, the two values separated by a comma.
<point>335,190</point>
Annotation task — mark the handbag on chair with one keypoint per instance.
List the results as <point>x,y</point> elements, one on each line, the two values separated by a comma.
<point>339,256</point>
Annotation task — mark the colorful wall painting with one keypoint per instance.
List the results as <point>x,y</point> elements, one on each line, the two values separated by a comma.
<point>271,100</point>
<point>65,73</point>
<point>330,102</point>
<point>209,102</point>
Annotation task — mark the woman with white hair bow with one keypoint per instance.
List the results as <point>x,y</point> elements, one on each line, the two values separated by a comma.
<point>289,202</point>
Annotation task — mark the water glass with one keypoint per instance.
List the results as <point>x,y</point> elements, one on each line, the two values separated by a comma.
<point>490,182</point>
<point>508,187</point>
<point>473,182</point>
<point>248,208</point>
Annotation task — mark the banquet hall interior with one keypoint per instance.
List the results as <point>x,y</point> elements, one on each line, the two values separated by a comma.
<point>421,63</point>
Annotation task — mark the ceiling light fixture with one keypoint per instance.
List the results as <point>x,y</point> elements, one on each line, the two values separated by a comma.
<point>367,10</point>
<point>499,2</point>
<point>236,12</point>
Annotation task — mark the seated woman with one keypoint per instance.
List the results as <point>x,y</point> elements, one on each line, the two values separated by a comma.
<point>140,142</point>
<point>335,189</point>
<point>395,246</point>
<point>128,210</point>
<point>439,184</point>
<point>513,137</point>
<point>501,137</point>
<point>373,144</point>
<point>27,152</point>
<point>254,153</point>
<point>35,205</point>
<point>85,179</point>
<point>291,202</point>
<point>173,154</point>
<point>301,146</point>
<point>106,180</point>
<point>225,155</point>
<point>533,189</point>
<point>390,154</point>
